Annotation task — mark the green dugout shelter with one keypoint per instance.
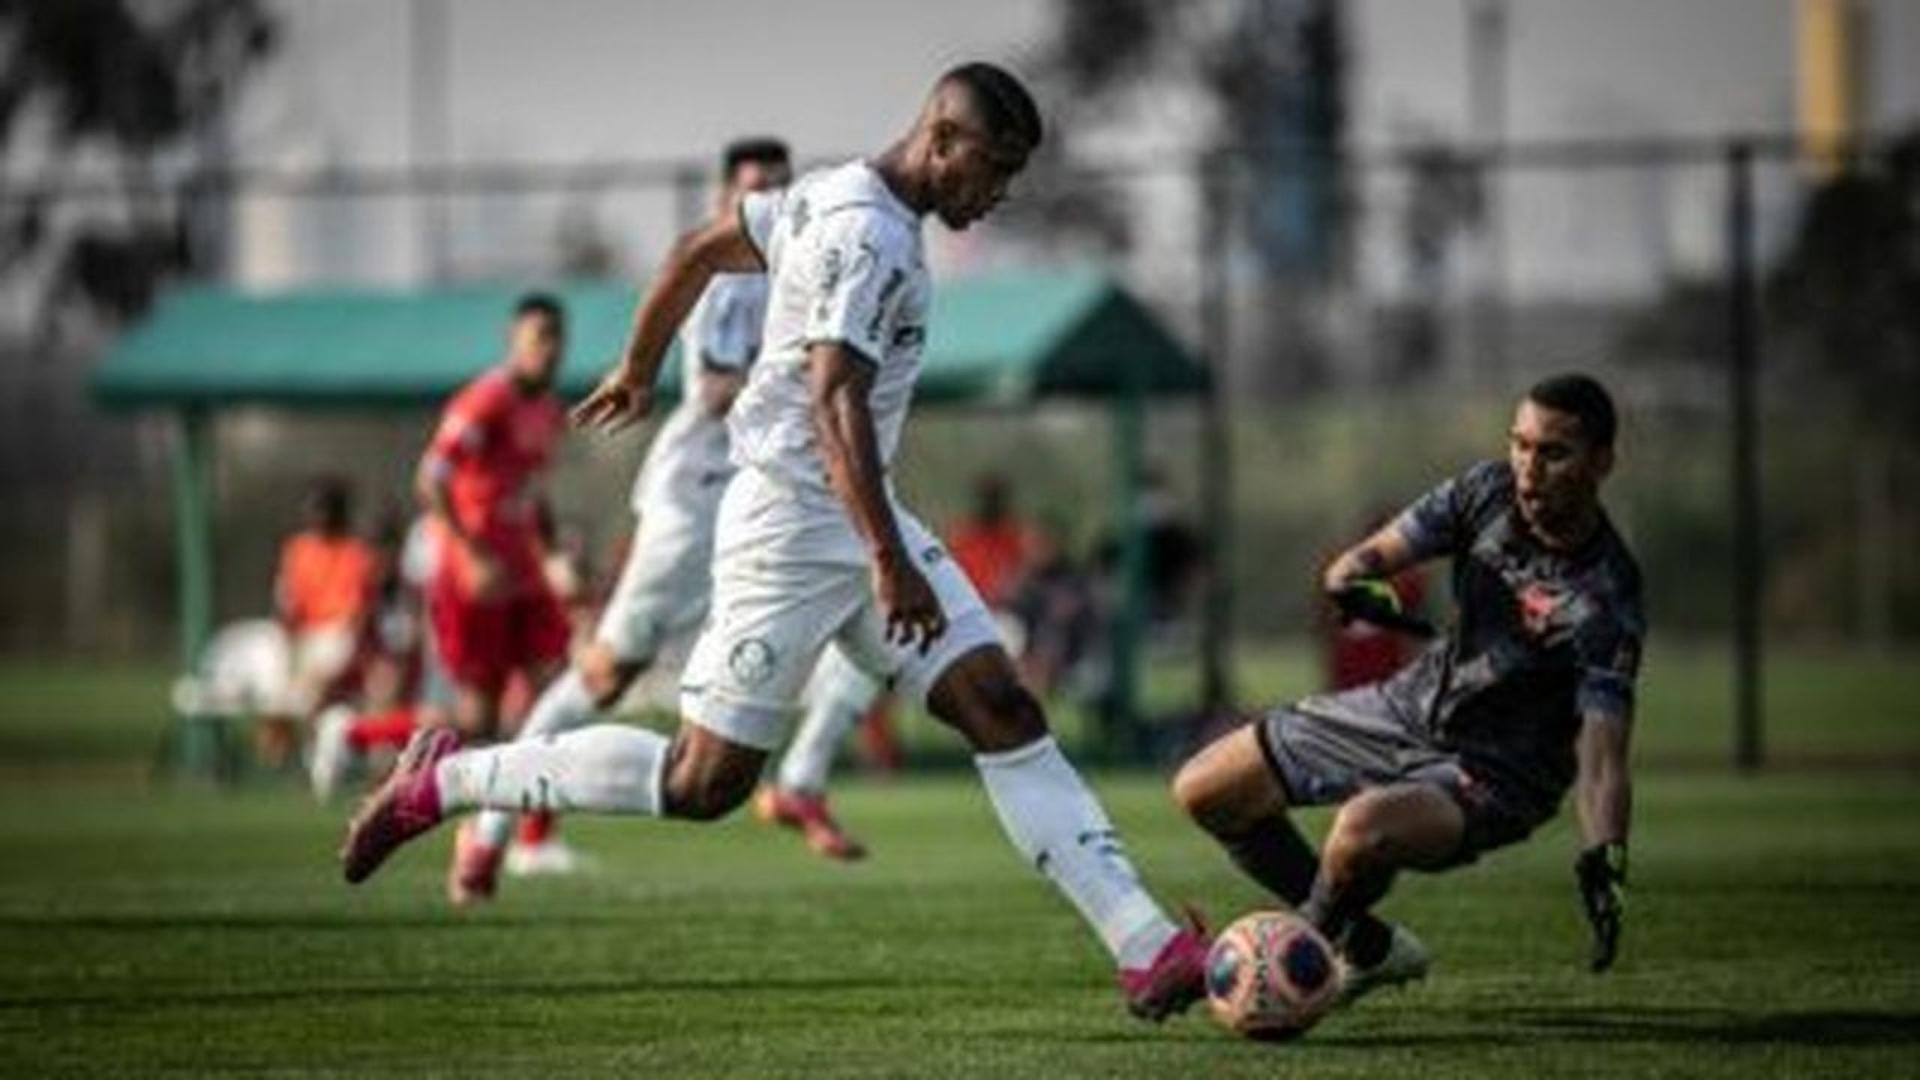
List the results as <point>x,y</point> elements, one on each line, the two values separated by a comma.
<point>1004,340</point>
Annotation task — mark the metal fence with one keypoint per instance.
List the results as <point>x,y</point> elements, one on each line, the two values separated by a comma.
<point>1370,315</point>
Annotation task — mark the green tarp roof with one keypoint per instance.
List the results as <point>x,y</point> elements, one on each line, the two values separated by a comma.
<point>1004,338</point>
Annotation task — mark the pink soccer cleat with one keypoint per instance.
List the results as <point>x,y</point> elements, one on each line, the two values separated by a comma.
<point>1174,981</point>
<point>403,807</point>
<point>809,814</point>
<point>475,874</point>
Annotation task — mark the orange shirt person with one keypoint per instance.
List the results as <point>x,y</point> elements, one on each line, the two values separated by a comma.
<point>322,593</point>
<point>991,546</point>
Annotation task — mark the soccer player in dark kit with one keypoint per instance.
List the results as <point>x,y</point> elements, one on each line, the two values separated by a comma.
<point>1472,745</point>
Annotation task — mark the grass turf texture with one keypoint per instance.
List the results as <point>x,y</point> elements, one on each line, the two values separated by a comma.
<point>1771,930</point>
<point>172,930</point>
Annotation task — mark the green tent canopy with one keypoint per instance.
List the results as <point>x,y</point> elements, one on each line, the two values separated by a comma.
<point>998,339</point>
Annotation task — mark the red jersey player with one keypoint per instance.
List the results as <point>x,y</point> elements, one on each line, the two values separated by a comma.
<point>489,604</point>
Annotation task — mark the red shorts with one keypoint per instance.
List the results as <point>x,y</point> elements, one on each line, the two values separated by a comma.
<point>480,645</point>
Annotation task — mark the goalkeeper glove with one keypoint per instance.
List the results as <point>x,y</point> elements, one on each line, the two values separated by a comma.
<point>1371,600</point>
<point>1602,874</point>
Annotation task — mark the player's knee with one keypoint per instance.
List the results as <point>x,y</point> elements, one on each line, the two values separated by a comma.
<point>706,797</point>
<point>1008,716</point>
<point>1199,792</point>
<point>1359,835</point>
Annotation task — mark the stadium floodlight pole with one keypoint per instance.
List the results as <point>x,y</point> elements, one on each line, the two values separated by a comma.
<point>1743,348</point>
<point>197,743</point>
<point>1216,452</point>
<point>429,125</point>
<point>1122,727</point>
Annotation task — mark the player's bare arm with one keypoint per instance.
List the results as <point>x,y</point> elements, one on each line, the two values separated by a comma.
<point>718,389</point>
<point>1604,795</point>
<point>1603,799</point>
<point>431,486</point>
<point>1381,555</point>
<point>840,383</point>
<point>625,395</point>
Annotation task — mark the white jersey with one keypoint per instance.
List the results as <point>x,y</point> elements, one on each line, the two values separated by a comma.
<point>722,335</point>
<point>844,264</point>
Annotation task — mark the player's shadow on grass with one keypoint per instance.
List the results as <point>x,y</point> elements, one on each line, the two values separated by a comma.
<point>1822,1027</point>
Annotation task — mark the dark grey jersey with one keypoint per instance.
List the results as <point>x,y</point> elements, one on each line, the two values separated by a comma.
<point>1542,638</point>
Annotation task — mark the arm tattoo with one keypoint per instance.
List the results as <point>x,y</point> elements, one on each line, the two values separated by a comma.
<point>1368,562</point>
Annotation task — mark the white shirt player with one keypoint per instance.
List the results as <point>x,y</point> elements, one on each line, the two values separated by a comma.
<point>690,455</point>
<point>844,258</point>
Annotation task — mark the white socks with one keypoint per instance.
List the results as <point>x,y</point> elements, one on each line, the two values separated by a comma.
<point>836,696</point>
<point>565,705</point>
<point>1054,820</point>
<point>607,768</point>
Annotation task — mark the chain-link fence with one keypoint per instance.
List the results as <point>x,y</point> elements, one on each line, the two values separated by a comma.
<point>1371,317</point>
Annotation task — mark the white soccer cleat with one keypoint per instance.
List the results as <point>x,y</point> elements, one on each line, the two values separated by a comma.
<point>547,858</point>
<point>1407,960</point>
<point>331,755</point>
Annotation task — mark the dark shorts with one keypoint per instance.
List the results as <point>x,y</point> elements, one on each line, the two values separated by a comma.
<point>1327,749</point>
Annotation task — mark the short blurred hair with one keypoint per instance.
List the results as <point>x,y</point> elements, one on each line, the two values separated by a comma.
<point>540,303</point>
<point>758,150</point>
<point>1003,102</point>
<point>330,499</point>
<point>1582,397</point>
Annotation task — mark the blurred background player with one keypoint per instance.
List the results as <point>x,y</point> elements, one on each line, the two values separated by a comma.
<point>491,610</point>
<point>322,593</point>
<point>1472,746</point>
<point>812,548</point>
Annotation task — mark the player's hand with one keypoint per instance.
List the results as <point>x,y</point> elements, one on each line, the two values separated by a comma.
<point>906,600</point>
<point>1602,874</point>
<point>618,401</point>
<point>1371,600</point>
<point>486,577</point>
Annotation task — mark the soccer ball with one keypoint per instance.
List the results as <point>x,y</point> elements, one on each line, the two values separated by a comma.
<point>1271,976</point>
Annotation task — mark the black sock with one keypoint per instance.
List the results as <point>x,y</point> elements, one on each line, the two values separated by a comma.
<point>1368,940</point>
<point>1274,854</point>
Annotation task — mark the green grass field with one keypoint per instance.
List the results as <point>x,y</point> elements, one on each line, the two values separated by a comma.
<point>149,929</point>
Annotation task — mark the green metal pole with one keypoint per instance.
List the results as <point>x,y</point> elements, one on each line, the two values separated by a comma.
<point>193,529</point>
<point>1743,348</point>
<point>1129,616</point>
<point>198,744</point>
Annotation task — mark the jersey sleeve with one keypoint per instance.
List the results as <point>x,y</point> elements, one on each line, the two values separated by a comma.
<point>1607,649</point>
<point>856,271</point>
<point>1440,522</point>
<point>759,211</point>
<point>464,428</point>
<point>729,333</point>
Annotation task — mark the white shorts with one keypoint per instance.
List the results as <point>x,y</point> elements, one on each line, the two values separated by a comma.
<point>791,577</point>
<point>664,587</point>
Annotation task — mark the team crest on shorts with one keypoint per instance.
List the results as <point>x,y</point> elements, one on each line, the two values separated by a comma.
<point>751,661</point>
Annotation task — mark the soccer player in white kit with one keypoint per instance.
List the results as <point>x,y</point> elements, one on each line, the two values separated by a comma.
<point>813,548</point>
